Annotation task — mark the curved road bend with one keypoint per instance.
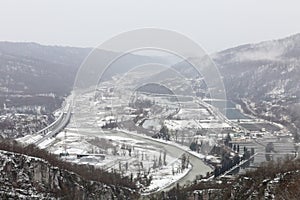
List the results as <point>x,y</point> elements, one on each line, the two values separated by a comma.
<point>198,166</point>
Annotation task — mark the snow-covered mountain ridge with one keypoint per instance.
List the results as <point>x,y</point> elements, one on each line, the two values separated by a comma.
<point>267,75</point>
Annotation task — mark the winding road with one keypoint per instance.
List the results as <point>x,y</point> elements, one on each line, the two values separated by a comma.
<point>198,166</point>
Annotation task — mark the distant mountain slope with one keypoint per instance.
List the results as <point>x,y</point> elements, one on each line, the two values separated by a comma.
<point>266,74</point>
<point>36,75</point>
<point>266,69</point>
<point>30,68</point>
<point>32,74</point>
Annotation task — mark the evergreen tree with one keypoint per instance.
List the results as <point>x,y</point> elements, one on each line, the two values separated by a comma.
<point>159,161</point>
<point>183,161</point>
<point>165,157</point>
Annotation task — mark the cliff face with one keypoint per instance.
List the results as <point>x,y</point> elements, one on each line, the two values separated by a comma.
<point>26,177</point>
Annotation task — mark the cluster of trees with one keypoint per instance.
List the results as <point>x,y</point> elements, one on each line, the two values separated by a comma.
<point>227,141</point>
<point>19,125</point>
<point>127,148</point>
<point>110,124</point>
<point>228,161</point>
<point>141,114</point>
<point>143,179</point>
<point>236,148</point>
<point>143,175</point>
<point>269,148</point>
<point>194,146</point>
<point>185,161</point>
<point>163,134</point>
<point>226,164</point>
<point>29,104</point>
<point>161,161</point>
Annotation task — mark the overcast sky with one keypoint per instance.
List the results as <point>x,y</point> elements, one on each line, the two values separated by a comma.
<point>214,24</point>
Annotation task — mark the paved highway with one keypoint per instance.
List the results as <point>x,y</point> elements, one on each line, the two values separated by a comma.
<point>58,126</point>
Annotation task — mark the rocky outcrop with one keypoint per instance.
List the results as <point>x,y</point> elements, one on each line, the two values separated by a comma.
<point>25,177</point>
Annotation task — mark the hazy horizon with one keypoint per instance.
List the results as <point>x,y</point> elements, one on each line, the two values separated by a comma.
<point>213,24</point>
